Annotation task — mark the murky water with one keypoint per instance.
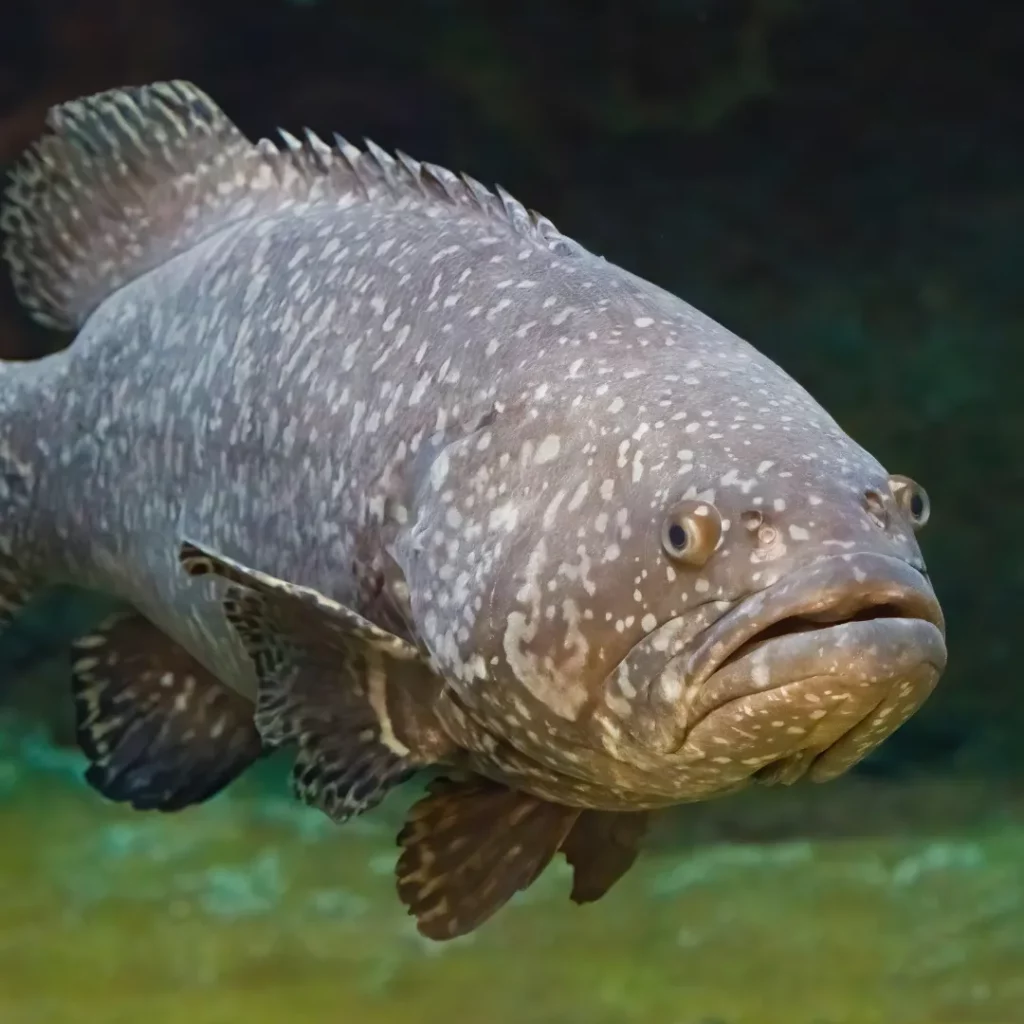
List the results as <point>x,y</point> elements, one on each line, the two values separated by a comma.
<point>253,909</point>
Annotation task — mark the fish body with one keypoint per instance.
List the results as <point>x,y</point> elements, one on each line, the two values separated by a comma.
<point>386,469</point>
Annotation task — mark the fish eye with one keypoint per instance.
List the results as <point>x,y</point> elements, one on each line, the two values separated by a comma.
<point>912,499</point>
<point>691,532</point>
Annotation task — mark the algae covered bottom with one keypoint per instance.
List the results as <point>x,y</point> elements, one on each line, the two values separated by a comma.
<point>252,908</point>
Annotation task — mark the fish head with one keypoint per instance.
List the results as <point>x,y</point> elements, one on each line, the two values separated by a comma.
<point>676,611</point>
<point>806,630</point>
<point>787,623</point>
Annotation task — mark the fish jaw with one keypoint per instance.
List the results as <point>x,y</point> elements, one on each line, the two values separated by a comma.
<point>802,678</point>
<point>815,703</point>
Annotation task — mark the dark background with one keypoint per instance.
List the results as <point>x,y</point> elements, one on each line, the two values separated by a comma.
<point>839,181</point>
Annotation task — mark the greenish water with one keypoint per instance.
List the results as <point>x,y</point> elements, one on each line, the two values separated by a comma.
<point>839,904</point>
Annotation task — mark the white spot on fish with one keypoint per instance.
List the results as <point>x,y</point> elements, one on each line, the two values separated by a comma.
<point>504,517</point>
<point>548,450</point>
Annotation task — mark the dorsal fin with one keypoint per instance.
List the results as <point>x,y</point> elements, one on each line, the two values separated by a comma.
<point>129,178</point>
<point>126,180</point>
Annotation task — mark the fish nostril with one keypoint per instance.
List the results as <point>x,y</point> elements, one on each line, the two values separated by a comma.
<point>752,520</point>
<point>874,504</point>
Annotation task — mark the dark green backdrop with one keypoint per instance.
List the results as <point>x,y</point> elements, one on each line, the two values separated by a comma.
<point>839,181</point>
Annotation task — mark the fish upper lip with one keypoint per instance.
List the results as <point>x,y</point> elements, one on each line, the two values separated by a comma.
<point>831,590</point>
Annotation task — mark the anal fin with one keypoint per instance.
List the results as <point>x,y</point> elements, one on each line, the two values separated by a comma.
<point>353,699</point>
<point>160,731</point>
<point>468,847</point>
<point>601,848</point>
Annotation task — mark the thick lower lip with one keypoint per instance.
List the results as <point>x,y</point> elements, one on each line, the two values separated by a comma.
<point>808,676</point>
<point>862,587</point>
<point>814,703</point>
<point>852,630</point>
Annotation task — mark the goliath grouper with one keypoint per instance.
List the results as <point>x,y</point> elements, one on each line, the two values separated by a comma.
<point>389,472</point>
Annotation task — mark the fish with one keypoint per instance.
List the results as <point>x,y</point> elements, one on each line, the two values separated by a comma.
<point>383,470</point>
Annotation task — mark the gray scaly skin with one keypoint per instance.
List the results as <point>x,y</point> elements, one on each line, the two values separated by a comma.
<point>386,469</point>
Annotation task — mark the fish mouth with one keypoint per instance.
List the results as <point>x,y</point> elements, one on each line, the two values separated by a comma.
<point>806,677</point>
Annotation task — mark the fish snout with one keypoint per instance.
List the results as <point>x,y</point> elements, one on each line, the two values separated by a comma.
<point>833,589</point>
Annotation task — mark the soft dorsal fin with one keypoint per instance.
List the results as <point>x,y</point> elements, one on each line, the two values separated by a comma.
<point>131,177</point>
<point>125,181</point>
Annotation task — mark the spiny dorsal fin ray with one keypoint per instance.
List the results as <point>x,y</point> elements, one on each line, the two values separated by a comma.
<point>131,177</point>
<point>159,730</point>
<point>468,847</point>
<point>355,701</point>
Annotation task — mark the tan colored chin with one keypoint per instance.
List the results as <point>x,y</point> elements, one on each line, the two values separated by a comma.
<point>818,727</point>
<point>872,677</point>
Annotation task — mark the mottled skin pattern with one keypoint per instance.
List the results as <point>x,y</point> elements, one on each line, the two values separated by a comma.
<point>382,383</point>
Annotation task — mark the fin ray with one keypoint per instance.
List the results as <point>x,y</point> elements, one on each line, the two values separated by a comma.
<point>198,560</point>
<point>342,764</point>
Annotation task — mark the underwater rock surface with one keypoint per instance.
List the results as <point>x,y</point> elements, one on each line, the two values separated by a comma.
<point>252,908</point>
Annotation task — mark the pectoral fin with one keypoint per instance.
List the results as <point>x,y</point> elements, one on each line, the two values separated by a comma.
<point>355,700</point>
<point>468,847</point>
<point>159,730</point>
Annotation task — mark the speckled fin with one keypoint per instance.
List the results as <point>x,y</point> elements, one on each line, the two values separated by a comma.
<point>468,847</point>
<point>16,589</point>
<point>160,732</point>
<point>125,180</point>
<point>131,177</point>
<point>601,848</point>
<point>17,582</point>
<point>355,700</point>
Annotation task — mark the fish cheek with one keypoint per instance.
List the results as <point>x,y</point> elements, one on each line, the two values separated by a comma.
<point>524,617</point>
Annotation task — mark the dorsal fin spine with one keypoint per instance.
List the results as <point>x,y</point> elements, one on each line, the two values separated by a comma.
<point>352,161</point>
<point>382,162</point>
<point>412,173</point>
